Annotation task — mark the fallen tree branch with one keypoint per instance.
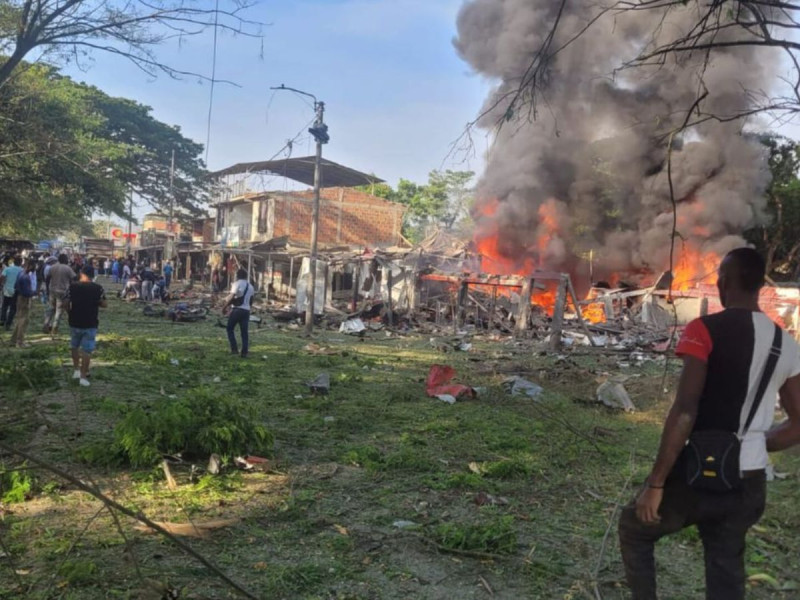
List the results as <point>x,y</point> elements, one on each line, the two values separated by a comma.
<point>134,515</point>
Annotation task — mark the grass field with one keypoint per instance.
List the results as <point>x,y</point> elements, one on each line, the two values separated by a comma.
<point>373,491</point>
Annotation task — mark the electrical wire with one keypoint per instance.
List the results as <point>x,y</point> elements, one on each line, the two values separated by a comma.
<point>213,79</point>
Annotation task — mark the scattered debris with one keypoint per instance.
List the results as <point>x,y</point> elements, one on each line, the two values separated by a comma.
<point>352,326</point>
<point>250,463</point>
<point>438,385</point>
<point>401,524</point>
<point>321,384</point>
<point>485,499</point>
<point>195,529</point>
<point>614,395</point>
<point>174,362</point>
<point>214,464</point>
<point>318,350</point>
<point>328,419</point>
<point>517,386</point>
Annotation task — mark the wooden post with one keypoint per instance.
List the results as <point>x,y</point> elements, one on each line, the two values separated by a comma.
<point>188,271</point>
<point>389,286</point>
<point>492,306</point>
<point>704,306</point>
<point>460,315</point>
<point>558,316</point>
<point>291,277</point>
<point>524,308</point>
<point>581,322</point>
<point>608,307</point>
<point>356,284</point>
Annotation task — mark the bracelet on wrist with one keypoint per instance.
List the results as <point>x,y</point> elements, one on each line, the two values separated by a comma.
<point>654,487</point>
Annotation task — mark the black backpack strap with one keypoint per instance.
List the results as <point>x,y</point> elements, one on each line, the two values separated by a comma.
<point>766,375</point>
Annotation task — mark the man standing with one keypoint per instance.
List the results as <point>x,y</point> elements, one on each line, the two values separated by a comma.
<point>83,301</point>
<point>26,291</point>
<point>115,271</point>
<point>168,273</point>
<point>148,281</point>
<point>8,278</point>
<point>725,357</point>
<point>60,277</point>
<point>240,297</point>
<point>126,273</point>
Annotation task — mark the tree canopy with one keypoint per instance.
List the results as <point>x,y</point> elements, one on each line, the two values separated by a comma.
<point>72,29</point>
<point>779,241</point>
<point>444,201</point>
<point>68,149</point>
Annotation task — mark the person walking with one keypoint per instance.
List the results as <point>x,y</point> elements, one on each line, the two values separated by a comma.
<point>60,277</point>
<point>26,292</point>
<point>167,271</point>
<point>735,364</point>
<point>240,297</point>
<point>126,273</point>
<point>115,271</point>
<point>83,301</point>
<point>148,281</point>
<point>8,279</point>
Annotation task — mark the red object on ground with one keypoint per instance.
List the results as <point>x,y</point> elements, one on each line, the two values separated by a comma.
<point>438,383</point>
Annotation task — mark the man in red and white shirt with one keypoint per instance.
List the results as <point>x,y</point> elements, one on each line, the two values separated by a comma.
<point>723,357</point>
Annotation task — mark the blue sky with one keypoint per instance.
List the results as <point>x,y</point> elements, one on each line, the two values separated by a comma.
<point>396,92</point>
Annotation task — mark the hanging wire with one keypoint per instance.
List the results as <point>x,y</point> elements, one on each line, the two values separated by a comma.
<point>213,79</point>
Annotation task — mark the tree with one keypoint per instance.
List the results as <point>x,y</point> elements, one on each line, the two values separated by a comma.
<point>68,150</point>
<point>442,202</point>
<point>71,29</point>
<point>779,241</point>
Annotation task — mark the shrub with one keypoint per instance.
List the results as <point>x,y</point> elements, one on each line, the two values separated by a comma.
<point>498,536</point>
<point>15,486</point>
<point>197,425</point>
<point>138,349</point>
<point>27,372</point>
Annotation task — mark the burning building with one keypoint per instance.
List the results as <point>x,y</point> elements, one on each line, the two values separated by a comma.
<point>577,179</point>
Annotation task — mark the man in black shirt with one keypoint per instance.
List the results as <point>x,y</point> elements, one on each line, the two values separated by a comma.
<point>83,301</point>
<point>724,370</point>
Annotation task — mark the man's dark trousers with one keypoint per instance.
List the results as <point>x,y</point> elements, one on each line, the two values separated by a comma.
<point>8,310</point>
<point>239,317</point>
<point>722,521</point>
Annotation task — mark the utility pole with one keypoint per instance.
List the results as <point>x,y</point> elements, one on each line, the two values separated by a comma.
<point>320,132</point>
<point>170,224</point>
<point>130,224</point>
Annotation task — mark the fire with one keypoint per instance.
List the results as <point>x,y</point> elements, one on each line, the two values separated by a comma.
<point>494,261</point>
<point>694,267</point>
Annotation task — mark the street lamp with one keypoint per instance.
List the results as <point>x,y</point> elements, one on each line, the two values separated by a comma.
<point>320,132</point>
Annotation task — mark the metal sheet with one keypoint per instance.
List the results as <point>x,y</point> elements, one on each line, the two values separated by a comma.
<point>302,170</point>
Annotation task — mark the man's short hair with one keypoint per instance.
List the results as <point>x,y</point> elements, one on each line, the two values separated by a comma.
<point>63,259</point>
<point>748,268</point>
<point>88,271</point>
<point>241,274</point>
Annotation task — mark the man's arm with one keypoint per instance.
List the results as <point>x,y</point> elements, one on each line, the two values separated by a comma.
<point>787,434</point>
<point>677,428</point>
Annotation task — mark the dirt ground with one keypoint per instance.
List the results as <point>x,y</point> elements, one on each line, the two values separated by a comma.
<point>373,491</point>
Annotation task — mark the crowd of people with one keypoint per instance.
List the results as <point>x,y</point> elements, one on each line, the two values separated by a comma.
<point>50,279</point>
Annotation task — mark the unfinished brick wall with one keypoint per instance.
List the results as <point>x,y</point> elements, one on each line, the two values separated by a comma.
<point>347,216</point>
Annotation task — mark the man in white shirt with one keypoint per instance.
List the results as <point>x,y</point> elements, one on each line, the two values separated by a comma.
<point>240,297</point>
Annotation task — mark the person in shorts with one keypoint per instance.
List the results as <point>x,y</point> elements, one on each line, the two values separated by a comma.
<point>82,302</point>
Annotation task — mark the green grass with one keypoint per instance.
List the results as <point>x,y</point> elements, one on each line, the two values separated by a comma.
<point>344,468</point>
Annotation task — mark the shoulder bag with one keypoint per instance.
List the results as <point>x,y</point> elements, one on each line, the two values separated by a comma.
<point>712,456</point>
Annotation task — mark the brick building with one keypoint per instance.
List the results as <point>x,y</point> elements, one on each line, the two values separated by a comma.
<point>348,217</point>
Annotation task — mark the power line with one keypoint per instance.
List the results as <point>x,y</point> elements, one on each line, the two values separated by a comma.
<point>213,79</point>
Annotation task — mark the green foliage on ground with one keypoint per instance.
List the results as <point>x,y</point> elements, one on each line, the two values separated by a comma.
<point>497,535</point>
<point>374,491</point>
<point>16,485</point>
<point>198,424</point>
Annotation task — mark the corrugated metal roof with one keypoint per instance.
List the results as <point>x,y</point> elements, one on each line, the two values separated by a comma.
<point>302,170</point>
